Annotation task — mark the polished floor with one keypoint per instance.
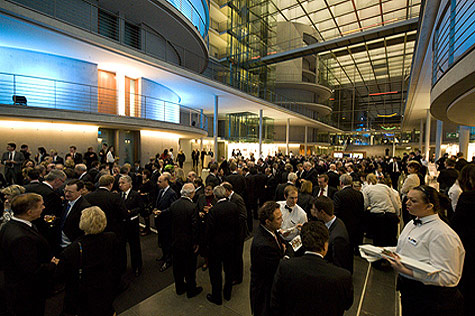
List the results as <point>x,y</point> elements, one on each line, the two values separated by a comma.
<point>374,295</point>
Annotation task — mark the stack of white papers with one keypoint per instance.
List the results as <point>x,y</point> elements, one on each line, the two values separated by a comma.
<point>372,253</point>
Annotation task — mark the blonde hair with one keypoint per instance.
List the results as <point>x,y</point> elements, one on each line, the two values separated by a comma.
<point>371,178</point>
<point>93,220</point>
<point>306,187</point>
<point>13,190</point>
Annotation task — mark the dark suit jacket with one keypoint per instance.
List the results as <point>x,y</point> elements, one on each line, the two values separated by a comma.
<point>165,200</point>
<point>339,247</point>
<point>26,259</point>
<point>212,180</point>
<point>114,208</point>
<point>58,159</point>
<point>184,219</point>
<point>222,227</point>
<point>71,225</point>
<point>311,176</point>
<point>52,200</point>
<point>239,201</point>
<point>349,207</point>
<point>333,179</point>
<point>238,182</point>
<point>134,203</point>
<point>77,157</point>
<point>331,191</point>
<point>271,185</point>
<point>19,158</point>
<point>308,285</point>
<point>279,191</point>
<point>265,258</point>
<point>261,181</point>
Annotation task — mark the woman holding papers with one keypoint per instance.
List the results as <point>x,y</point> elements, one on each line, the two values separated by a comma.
<point>429,240</point>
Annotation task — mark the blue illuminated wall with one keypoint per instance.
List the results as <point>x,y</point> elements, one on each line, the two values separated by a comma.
<point>196,11</point>
<point>159,102</point>
<point>47,80</point>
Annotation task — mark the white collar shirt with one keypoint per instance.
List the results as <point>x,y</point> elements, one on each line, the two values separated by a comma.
<point>24,221</point>
<point>435,243</point>
<point>330,222</point>
<point>291,218</point>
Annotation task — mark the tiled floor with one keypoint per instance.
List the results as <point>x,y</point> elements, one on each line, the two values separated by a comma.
<point>379,296</point>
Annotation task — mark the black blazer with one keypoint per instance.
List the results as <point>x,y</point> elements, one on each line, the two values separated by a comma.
<point>77,157</point>
<point>308,285</point>
<point>222,227</point>
<point>184,218</point>
<point>339,247</point>
<point>311,176</point>
<point>271,185</point>
<point>52,200</point>
<point>114,208</point>
<point>265,258</point>
<point>26,257</point>
<point>349,207</point>
<point>279,191</point>
<point>212,180</point>
<point>331,191</point>
<point>134,204</point>
<point>238,182</point>
<point>18,159</point>
<point>333,179</point>
<point>71,225</point>
<point>165,201</point>
<point>239,201</point>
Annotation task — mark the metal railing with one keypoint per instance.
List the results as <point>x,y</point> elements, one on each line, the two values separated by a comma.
<point>454,36</point>
<point>63,95</point>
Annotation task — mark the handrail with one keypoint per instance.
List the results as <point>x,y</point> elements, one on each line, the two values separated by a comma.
<point>64,95</point>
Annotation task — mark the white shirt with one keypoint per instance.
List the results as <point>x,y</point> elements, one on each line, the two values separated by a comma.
<point>291,219</point>
<point>410,183</point>
<point>330,222</point>
<point>454,194</point>
<point>379,198</point>
<point>325,191</point>
<point>314,253</point>
<point>22,220</point>
<point>434,243</point>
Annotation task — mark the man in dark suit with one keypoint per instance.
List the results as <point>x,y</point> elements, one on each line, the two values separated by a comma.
<point>308,285</point>
<point>77,157</point>
<point>53,203</point>
<point>447,176</point>
<point>26,258</point>
<point>267,249</point>
<point>212,179</point>
<point>333,177</point>
<point>69,221</point>
<point>339,252</point>
<point>12,161</point>
<point>349,207</point>
<point>310,173</point>
<point>323,188</point>
<point>184,223</point>
<point>260,180</point>
<point>237,180</point>
<point>134,203</point>
<point>56,159</point>
<point>239,202</point>
<point>166,196</point>
<point>116,212</point>
<point>279,191</point>
<point>222,237</point>
<point>271,185</point>
<point>394,169</point>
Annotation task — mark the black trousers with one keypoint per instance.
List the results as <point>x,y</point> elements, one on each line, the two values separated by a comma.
<point>164,237</point>
<point>219,260</point>
<point>239,264</point>
<point>184,269</point>
<point>132,232</point>
<point>418,299</point>
<point>384,228</point>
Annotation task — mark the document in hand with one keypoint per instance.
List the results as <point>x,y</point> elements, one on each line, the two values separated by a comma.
<point>372,253</point>
<point>296,243</point>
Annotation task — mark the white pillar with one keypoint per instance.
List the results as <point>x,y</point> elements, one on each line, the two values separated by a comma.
<point>259,154</point>
<point>287,134</point>
<point>427,136</point>
<point>306,137</point>
<point>394,144</point>
<point>464,138</point>
<point>438,139</point>
<point>420,135</point>
<point>215,127</point>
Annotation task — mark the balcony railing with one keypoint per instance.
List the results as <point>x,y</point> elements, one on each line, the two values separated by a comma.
<point>63,95</point>
<point>454,36</point>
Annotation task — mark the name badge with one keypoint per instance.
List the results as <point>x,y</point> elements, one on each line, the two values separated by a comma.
<point>412,241</point>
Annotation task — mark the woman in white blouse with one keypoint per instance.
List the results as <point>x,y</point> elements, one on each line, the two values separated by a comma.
<point>429,240</point>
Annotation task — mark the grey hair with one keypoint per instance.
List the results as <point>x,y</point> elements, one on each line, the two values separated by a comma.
<point>55,174</point>
<point>127,178</point>
<point>292,177</point>
<point>219,192</point>
<point>187,190</point>
<point>346,179</point>
<point>80,167</point>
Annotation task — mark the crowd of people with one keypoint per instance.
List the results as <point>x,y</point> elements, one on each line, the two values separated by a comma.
<point>69,220</point>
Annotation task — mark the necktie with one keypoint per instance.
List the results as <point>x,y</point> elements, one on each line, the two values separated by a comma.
<point>11,156</point>
<point>124,196</point>
<point>66,213</point>
<point>321,192</point>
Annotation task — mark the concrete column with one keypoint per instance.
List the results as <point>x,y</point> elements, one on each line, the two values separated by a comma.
<point>287,134</point>
<point>306,140</point>
<point>420,135</point>
<point>259,154</point>
<point>215,127</point>
<point>438,139</point>
<point>394,144</point>
<point>427,136</point>
<point>464,139</point>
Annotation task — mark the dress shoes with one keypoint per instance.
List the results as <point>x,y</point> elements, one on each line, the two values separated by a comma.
<point>197,290</point>
<point>227,295</point>
<point>165,266</point>
<point>145,233</point>
<point>213,300</point>
<point>137,272</point>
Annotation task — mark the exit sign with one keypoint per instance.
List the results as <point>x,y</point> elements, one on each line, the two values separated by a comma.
<point>452,135</point>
